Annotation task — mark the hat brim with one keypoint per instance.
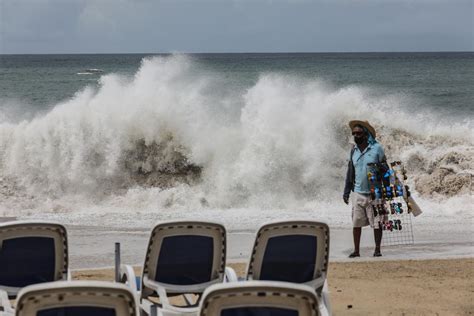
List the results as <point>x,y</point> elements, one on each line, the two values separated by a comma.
<point>365,124</point>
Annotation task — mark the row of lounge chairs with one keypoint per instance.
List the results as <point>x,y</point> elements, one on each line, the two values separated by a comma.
<point>286,274</point>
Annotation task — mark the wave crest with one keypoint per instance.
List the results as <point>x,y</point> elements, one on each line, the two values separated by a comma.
<point>282,142</point>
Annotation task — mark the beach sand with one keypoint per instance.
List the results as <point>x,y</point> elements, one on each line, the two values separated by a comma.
<point>402,287</point>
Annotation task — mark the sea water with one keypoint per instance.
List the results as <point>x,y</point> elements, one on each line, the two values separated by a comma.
<point>123,141</point>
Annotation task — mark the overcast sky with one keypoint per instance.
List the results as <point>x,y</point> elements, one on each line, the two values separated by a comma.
<point>154,26</point>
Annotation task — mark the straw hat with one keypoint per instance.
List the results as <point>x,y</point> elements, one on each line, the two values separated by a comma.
<point>365,124</point>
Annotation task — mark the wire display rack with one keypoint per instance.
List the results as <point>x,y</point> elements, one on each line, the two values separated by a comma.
<point>396,236</point>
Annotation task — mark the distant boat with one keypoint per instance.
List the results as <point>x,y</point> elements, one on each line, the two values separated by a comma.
<point>91,71</point>
<point>94,70</point>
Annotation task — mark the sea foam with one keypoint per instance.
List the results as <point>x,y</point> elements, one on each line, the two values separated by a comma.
<point>174,136</point>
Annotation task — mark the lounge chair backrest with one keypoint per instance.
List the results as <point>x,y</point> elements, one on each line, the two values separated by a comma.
<point>292,251</point>
<point>259,298</point>
<point>185,256</point>
<point>91,298</point>
<point>31,253</point>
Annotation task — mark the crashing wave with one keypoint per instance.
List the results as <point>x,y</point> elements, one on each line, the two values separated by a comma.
<point>283,141</point>
<point>159,165</point>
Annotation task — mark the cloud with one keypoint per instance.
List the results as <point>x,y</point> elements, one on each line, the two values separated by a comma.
<point>49,26</point>
<point>98,16</point>
<point>35,22</point>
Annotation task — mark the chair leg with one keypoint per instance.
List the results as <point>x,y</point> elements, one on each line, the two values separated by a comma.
<point>5,303</point>
<point>153,310</point>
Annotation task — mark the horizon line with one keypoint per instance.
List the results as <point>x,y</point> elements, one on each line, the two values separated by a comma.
<point>217,53</point>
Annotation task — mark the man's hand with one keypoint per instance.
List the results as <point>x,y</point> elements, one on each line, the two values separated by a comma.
<point>346,199</point>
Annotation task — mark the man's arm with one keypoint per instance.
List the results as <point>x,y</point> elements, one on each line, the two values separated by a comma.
<point>349,183</point>
<point>381,154</point>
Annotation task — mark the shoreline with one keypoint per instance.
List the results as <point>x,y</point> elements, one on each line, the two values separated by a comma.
<point>367,259</point>
<point>395,287</point>
<point>93,247</point>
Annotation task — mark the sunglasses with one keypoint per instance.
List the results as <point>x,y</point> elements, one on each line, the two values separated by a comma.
<point>357,133</point>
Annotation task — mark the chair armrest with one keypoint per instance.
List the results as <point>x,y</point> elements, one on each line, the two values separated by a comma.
<point>5,303</point>
<point>317,284</point>
<point>167,308</point>
<point>127,276</point>
<point>230,275</point>
<point>150,308</point>
<point>158,289</point>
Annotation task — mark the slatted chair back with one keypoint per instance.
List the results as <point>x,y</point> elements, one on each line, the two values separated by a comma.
<point>184,257</point>
<point>291,251</point>
<point>31,253</point>
<point>259,298</point>
<point>76,298</point>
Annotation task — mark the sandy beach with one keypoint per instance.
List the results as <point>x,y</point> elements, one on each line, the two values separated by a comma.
<point>398,287</point>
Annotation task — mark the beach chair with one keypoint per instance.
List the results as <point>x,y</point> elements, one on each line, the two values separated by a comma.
<point>292,251</point>
<point>30,253</point>
<point>182,259</point>
<point>77,298</point>
<point>260,298</point>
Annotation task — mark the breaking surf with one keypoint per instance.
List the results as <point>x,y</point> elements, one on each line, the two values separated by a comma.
<point>177,137</point>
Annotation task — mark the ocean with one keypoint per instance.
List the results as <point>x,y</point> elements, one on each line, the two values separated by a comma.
<point>127,140</point>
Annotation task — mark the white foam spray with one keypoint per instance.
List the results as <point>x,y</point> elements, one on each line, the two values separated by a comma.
<point>175,138</point>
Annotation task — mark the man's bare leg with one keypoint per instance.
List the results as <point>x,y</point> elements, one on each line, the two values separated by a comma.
<point>356,233</point>
<point>378,241</point>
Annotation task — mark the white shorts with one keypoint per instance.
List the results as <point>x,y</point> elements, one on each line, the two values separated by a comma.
<point>362,212</point>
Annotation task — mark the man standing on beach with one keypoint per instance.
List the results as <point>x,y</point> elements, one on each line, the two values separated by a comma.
<point>367,150</point>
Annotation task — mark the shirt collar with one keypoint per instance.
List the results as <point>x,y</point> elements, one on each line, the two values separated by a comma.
<point>365,150</point>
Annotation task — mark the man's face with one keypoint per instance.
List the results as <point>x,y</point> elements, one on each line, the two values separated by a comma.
<point>359,135</point>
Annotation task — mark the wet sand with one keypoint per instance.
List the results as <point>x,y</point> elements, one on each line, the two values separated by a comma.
<point>93,247</point>
<point>396,287</point>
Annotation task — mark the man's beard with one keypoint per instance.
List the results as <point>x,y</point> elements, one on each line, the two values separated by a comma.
<point>359,140</point>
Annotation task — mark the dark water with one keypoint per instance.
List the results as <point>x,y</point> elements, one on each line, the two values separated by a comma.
<point>441,82</point>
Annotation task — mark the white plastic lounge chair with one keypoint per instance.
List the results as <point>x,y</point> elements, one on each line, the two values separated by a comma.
<point>292,251</point>
<point>182,258</point>
<point>77,298</point>
<point>30,253</point>
<point>259,298</point>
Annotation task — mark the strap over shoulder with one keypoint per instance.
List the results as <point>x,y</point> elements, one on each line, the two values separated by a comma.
<point>352,151</point>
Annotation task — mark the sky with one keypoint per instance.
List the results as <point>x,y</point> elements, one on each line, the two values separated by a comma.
<point>161,26</point>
